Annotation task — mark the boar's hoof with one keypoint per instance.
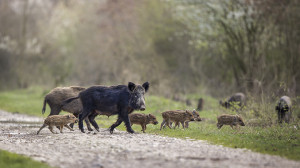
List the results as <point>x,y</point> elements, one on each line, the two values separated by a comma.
<point>82,131</point>
<point>111,130</point>
<point>97,129</point>
<point>90,129</point>
<point>130,131</point>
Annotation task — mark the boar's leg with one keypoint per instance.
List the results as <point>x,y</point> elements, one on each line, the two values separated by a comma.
<point>168,123</point>
<point>186,124</point>
<point>51,129</point>
<point>279,116</point>
<point>93,122</point>
<point>176,123</point>
<point>61,128</point>
<point>41,129</point>
<point>87,122</point>
<point>55,110</point>
<point>85,112</point>
<point>117,123</point>
<point>219,125</point>
<point>144,127</point>
<point>163,124</point>
<point>183,125</point>
<point>126,120</point>
<point>71,129</point>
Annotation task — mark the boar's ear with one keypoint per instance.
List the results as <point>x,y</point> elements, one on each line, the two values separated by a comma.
<point>131,86</point>
<point>146,86</point>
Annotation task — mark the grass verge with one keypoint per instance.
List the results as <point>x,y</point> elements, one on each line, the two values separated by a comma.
<point>11,160</point>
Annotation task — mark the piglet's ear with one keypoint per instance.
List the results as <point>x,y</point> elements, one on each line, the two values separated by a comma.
<point>146,86</point>
<point>131,86</point>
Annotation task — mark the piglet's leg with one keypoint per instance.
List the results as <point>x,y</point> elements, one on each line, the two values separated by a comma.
<point>51,129</point>
<point>61,127</point>
<point>69,128</point>
<point>41,128</point>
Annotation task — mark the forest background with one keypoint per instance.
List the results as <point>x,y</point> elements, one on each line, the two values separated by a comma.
<point>181,46</point>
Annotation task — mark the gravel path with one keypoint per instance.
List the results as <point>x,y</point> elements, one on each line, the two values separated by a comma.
<point>120,149</point>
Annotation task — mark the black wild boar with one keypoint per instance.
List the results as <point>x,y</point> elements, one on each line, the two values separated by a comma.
<point>118,100</point>
<point>238,99</point>
<point>232,120</point>
<point>142,119</point>
<point>58,95</point>
<point>284,109</point>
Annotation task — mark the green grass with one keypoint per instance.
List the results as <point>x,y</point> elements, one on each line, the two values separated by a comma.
<point>276,140</point>
<point>28,101</point>
<point>11,160</point>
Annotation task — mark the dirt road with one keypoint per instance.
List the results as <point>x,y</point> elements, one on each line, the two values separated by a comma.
<point>75,149</point>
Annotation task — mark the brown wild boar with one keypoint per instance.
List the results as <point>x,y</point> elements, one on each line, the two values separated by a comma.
<point>142,119</point>
<point>232,120</point>
<point>60,121</point>
<point>58,95</point>
<point>177,117</point>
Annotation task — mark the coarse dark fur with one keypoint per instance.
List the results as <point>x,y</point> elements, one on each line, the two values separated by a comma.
<point>238,99</point>
<point>58,95</point>
<point>118,100</point>
<point>284,109</point>
<point>142,119</point>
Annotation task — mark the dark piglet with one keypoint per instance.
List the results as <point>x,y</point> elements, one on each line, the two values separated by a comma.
<point>238,99</point>
<point>118,100</point>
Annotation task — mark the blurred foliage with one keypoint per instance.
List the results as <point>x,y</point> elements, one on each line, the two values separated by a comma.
<point>180,47</point>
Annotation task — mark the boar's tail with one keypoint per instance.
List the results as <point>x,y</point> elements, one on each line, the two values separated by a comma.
<point>69,100</point>
<point>44,106</point>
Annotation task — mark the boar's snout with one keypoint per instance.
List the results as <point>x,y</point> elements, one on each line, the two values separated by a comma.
<point>143,108</point>
<point>242,124</point>
<point>198,119</point>
<point>192,119</point>
<point>155,123</point>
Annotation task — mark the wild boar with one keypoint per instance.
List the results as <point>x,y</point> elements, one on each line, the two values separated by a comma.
<point>177,117</point>
<point>232,120</point>
<point>58,95</point>
<point>196,118</point>
<point>60,121</point>
<point>142,119</point>
<point>284,109</point>
<point>195,114</point>
<point>118,100</point>
<point>238,99</point>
